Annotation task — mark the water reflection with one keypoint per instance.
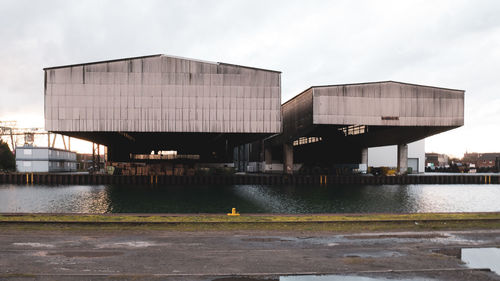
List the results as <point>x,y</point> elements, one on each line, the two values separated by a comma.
<point>454,198</point>
<point>482,258</point>
<point>249,198</point>
<point>53,199</point>
<point>343,278</point>
<point>271,200</point>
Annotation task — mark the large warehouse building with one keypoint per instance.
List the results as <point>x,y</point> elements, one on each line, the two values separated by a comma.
<point>332,127</point>
<point>156,103</point>
<point>143,104</point>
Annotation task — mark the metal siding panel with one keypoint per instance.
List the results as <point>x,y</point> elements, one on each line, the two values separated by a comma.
<point>121,96</point>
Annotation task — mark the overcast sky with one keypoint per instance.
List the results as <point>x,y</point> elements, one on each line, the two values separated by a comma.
<point>454,44</point>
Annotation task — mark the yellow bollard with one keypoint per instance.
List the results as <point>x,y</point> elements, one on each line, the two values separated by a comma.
<point>151,180</point>
<point>322,179</point>
<point>326,179</point>
<point>233,213</point>
<point>32,178</point>
<point>489,179</point>
<point>27,179</point>
<point>156,179</point>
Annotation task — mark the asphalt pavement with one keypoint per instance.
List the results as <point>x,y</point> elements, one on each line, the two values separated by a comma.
<point>69,254</point>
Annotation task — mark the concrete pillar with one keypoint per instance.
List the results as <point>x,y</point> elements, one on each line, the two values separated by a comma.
<point>287,158</point>
<point>364,155</point>
<point>268,155</point>
<point>363,167</point>
<point>241,160</point>
<point>267,159</point>
<point>402,158</point>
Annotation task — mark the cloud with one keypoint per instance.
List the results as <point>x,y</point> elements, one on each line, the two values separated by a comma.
<point>443,43</point>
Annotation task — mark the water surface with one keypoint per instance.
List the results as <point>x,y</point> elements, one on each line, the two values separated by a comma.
<point>482,258</point>
<point>292,199</point>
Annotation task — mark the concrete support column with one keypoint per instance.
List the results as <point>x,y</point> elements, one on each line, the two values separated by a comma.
<point>241,158</point>
<point>287,158</point>
<point>267,158</point>
<point>402,158</point>
<point>364,155</point>
<point>268,155</point>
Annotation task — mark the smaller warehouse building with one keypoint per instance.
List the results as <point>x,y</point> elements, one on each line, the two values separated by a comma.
<point>43,159</point>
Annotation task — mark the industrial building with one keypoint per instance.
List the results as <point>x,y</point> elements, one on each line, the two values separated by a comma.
<point>345,120</point>
<point>161,103</point>
<point>226,113</point>
<point>44,159</point>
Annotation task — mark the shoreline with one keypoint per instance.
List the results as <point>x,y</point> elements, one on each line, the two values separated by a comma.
<point>268,222</point>
<point>235,179</point>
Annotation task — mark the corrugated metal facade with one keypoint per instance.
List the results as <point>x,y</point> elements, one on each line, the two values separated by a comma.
<point>376,104</point>
<point>388,104</point>
<point>162,94</point>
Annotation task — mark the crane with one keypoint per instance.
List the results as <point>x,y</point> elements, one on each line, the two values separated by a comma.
<point>9,129</point>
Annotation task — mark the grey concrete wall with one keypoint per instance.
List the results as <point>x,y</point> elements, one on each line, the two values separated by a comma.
<point>162,94</point>
<point>388,104</point>
<point>30,166</point>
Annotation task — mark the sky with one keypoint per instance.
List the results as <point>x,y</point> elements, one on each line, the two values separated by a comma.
<point>452,44</point>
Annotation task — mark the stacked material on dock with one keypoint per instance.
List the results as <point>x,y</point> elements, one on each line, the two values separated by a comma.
<point>144,169</point>
<point>165,157</point>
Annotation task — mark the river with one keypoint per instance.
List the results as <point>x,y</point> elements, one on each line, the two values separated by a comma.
<point>288,199</point>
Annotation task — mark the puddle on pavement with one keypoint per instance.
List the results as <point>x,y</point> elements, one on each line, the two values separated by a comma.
<point>482,258</point>
<point>266,239</point>
<point>452,252</point>
<point>398,236</point>
<point>85,254</point>
<point>341,277</point>
<point>245,279</point>
<point>379,254</point>
<point>316,278</point>
<point>129,244</point>
<point>34,245</point>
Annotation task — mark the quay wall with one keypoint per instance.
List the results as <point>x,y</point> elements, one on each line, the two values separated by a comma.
<point>267,179</point>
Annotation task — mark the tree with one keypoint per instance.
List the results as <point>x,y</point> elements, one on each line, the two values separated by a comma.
<point>7,160</point>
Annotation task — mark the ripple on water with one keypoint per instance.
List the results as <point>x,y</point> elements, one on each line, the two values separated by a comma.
<point>291,199</point>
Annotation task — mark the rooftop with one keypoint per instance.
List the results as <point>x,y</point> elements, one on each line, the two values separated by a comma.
<point>156,55</point>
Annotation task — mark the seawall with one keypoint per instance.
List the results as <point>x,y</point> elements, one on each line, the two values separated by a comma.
<point>267,179</point>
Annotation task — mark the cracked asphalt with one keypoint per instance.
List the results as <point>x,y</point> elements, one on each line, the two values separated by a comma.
<point>237,255</point>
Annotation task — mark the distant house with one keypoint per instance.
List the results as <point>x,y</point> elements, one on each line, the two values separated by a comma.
<point>436,160</point>
<point>487,160</point>
<point>44,159</point>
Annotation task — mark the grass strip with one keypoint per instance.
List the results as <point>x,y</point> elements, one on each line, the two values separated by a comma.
<point>340,227</point>
<point>254,218</point>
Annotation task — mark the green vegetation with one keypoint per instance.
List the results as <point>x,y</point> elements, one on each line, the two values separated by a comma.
<point>207,218</point>
<point>336,223</point>
<point>7,160</point>
<point>338,227</point>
